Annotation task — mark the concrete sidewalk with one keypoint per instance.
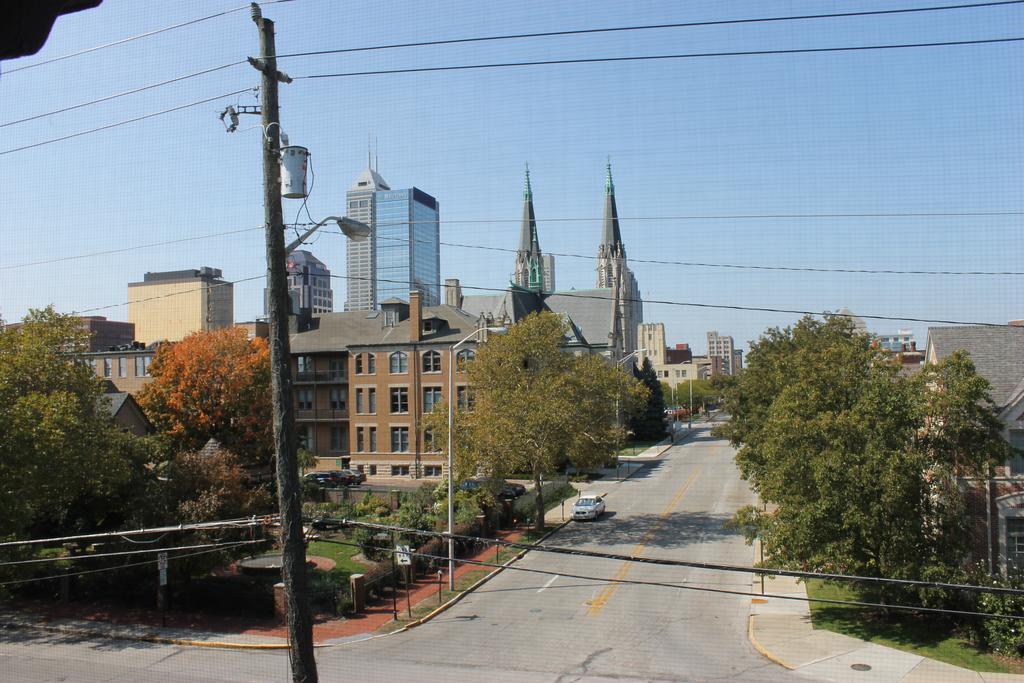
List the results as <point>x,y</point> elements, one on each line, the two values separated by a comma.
<point>781,630</point>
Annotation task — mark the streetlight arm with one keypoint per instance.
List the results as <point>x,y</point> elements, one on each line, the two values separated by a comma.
<point>353,229</point>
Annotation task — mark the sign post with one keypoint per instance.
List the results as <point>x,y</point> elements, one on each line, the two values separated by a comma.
<point>161,593</point>
<point>404,556</point>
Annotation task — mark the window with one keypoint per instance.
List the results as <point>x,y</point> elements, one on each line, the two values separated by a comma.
<point>122,367</point>
<point>305,397</point>
<point>365,364</point>
<point>337,368</point>
<point>432,471</point>
<point>140,369</point>
<point>465,356</point>
<point>432,361</point>
<point>400,439</point>
<point>428,441</point>
<point>373,439</point>
<point>399,362</point>
<point>371,401</point>
<point>107,367</point>
<point>399,400</point>
<point>305,437</point>
<point>399,470</point>
<point>428,326</point>
<point>336,438</point>
<point>373,470</point>
<point>92,364</point>
<point>465,400</point>
<point>431,398</point>
<point>1016,463</point>
<point>1015,541</point>
<point>337,398</point>
<point>305,364</point>
<point>359,401</point>
<point>360,447</point>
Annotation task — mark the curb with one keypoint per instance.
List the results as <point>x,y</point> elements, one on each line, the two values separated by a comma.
<point>761,648</point>
<point>185,642</point>
<point>455,600</point>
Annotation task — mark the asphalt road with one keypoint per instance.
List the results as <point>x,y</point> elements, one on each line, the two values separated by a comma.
<point>524,626</point>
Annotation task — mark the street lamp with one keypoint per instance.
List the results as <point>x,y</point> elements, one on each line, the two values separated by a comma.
<point>451,468</point>
<point>353,229</point>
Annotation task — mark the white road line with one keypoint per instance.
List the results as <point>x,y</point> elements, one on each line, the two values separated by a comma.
<point>548,584</point>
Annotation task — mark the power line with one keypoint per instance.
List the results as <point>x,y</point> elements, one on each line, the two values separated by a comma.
<point>122,250</point>
<point>167,296</point>
<point>123,94</point>
<point>240,522</point>
<point>592,220</point>
<point>762,571</point>
<point>615,29</point>
<point>698,264</point>
<point>126,121</point>
<point>141,551</point>
<point>136,37</point>
<point>691,304</point>
<point>693,587</point>
<point>641,58</point>
<point>125,566</point>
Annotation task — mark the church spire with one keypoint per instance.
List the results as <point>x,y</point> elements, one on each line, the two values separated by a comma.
<point>611,238</point>
<point>529,271</point>
<point>609,186</point>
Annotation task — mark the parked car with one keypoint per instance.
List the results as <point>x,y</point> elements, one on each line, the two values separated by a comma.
<point>355,477</point>
<point>589,506</point>
<point>507,491</point>
<point>326,479</point>
<point>511,491</point>
<point>327,524</point>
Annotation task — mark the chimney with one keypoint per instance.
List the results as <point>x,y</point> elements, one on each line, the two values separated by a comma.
<point>453,292</point>
<point>415,316</point>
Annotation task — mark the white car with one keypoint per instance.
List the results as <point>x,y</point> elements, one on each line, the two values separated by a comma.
<point>589,506</point>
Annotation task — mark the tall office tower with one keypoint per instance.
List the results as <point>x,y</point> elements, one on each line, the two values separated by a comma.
<point>721,346</point>
<point>403,251</point>
<point>171,305</point>
<point>309,284</point>
<point>614,273</point>
<point>529,268</point>
<point>361,255</point>
<point>408,250</point>
<point>549,272</point>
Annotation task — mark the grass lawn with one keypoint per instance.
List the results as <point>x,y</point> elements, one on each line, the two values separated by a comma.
<point>339,552</point>
<point>921,635</point>
<point>637,447</point>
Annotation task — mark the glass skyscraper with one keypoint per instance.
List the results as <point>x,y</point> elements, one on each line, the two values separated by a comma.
<point>403,252</point>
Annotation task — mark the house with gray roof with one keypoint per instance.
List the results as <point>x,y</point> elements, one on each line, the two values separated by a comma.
<point>996,504</point>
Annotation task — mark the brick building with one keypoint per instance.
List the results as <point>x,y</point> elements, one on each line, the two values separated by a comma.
<point>365,379</point>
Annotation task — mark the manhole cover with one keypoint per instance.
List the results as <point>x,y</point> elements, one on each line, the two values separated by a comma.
<point>861,667</point>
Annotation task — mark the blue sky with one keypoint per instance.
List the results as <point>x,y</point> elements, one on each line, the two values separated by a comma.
<point>931,130</point>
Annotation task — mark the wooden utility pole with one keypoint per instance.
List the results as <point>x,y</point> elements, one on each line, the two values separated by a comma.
<point>293,552</point>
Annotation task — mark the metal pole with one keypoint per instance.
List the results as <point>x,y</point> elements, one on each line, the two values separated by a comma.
<point>451,470</point>
<point>394,580</point>
<point>293,551</point>
<point>689,417</point>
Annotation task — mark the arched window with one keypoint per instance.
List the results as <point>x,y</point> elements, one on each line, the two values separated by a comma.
<point>465,356</point>
<point>399,362</point>
<point>432,361</point>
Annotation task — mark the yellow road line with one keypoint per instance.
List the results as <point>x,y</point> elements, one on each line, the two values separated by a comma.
<point>605,595</point>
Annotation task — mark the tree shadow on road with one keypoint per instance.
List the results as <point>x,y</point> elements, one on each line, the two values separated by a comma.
<point>677,530</point>
<point>42,638</point>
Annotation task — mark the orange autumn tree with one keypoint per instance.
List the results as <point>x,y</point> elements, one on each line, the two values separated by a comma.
<point>213,385</point>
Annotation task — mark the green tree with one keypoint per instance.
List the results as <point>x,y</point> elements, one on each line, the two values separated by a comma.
<point>59,452</point>
<point>649,422</point>
<point>858,463</point>
<point>537,406</point>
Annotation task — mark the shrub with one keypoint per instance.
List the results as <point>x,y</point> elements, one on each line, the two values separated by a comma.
<point>373,549</point>
<point>1005,636</point>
